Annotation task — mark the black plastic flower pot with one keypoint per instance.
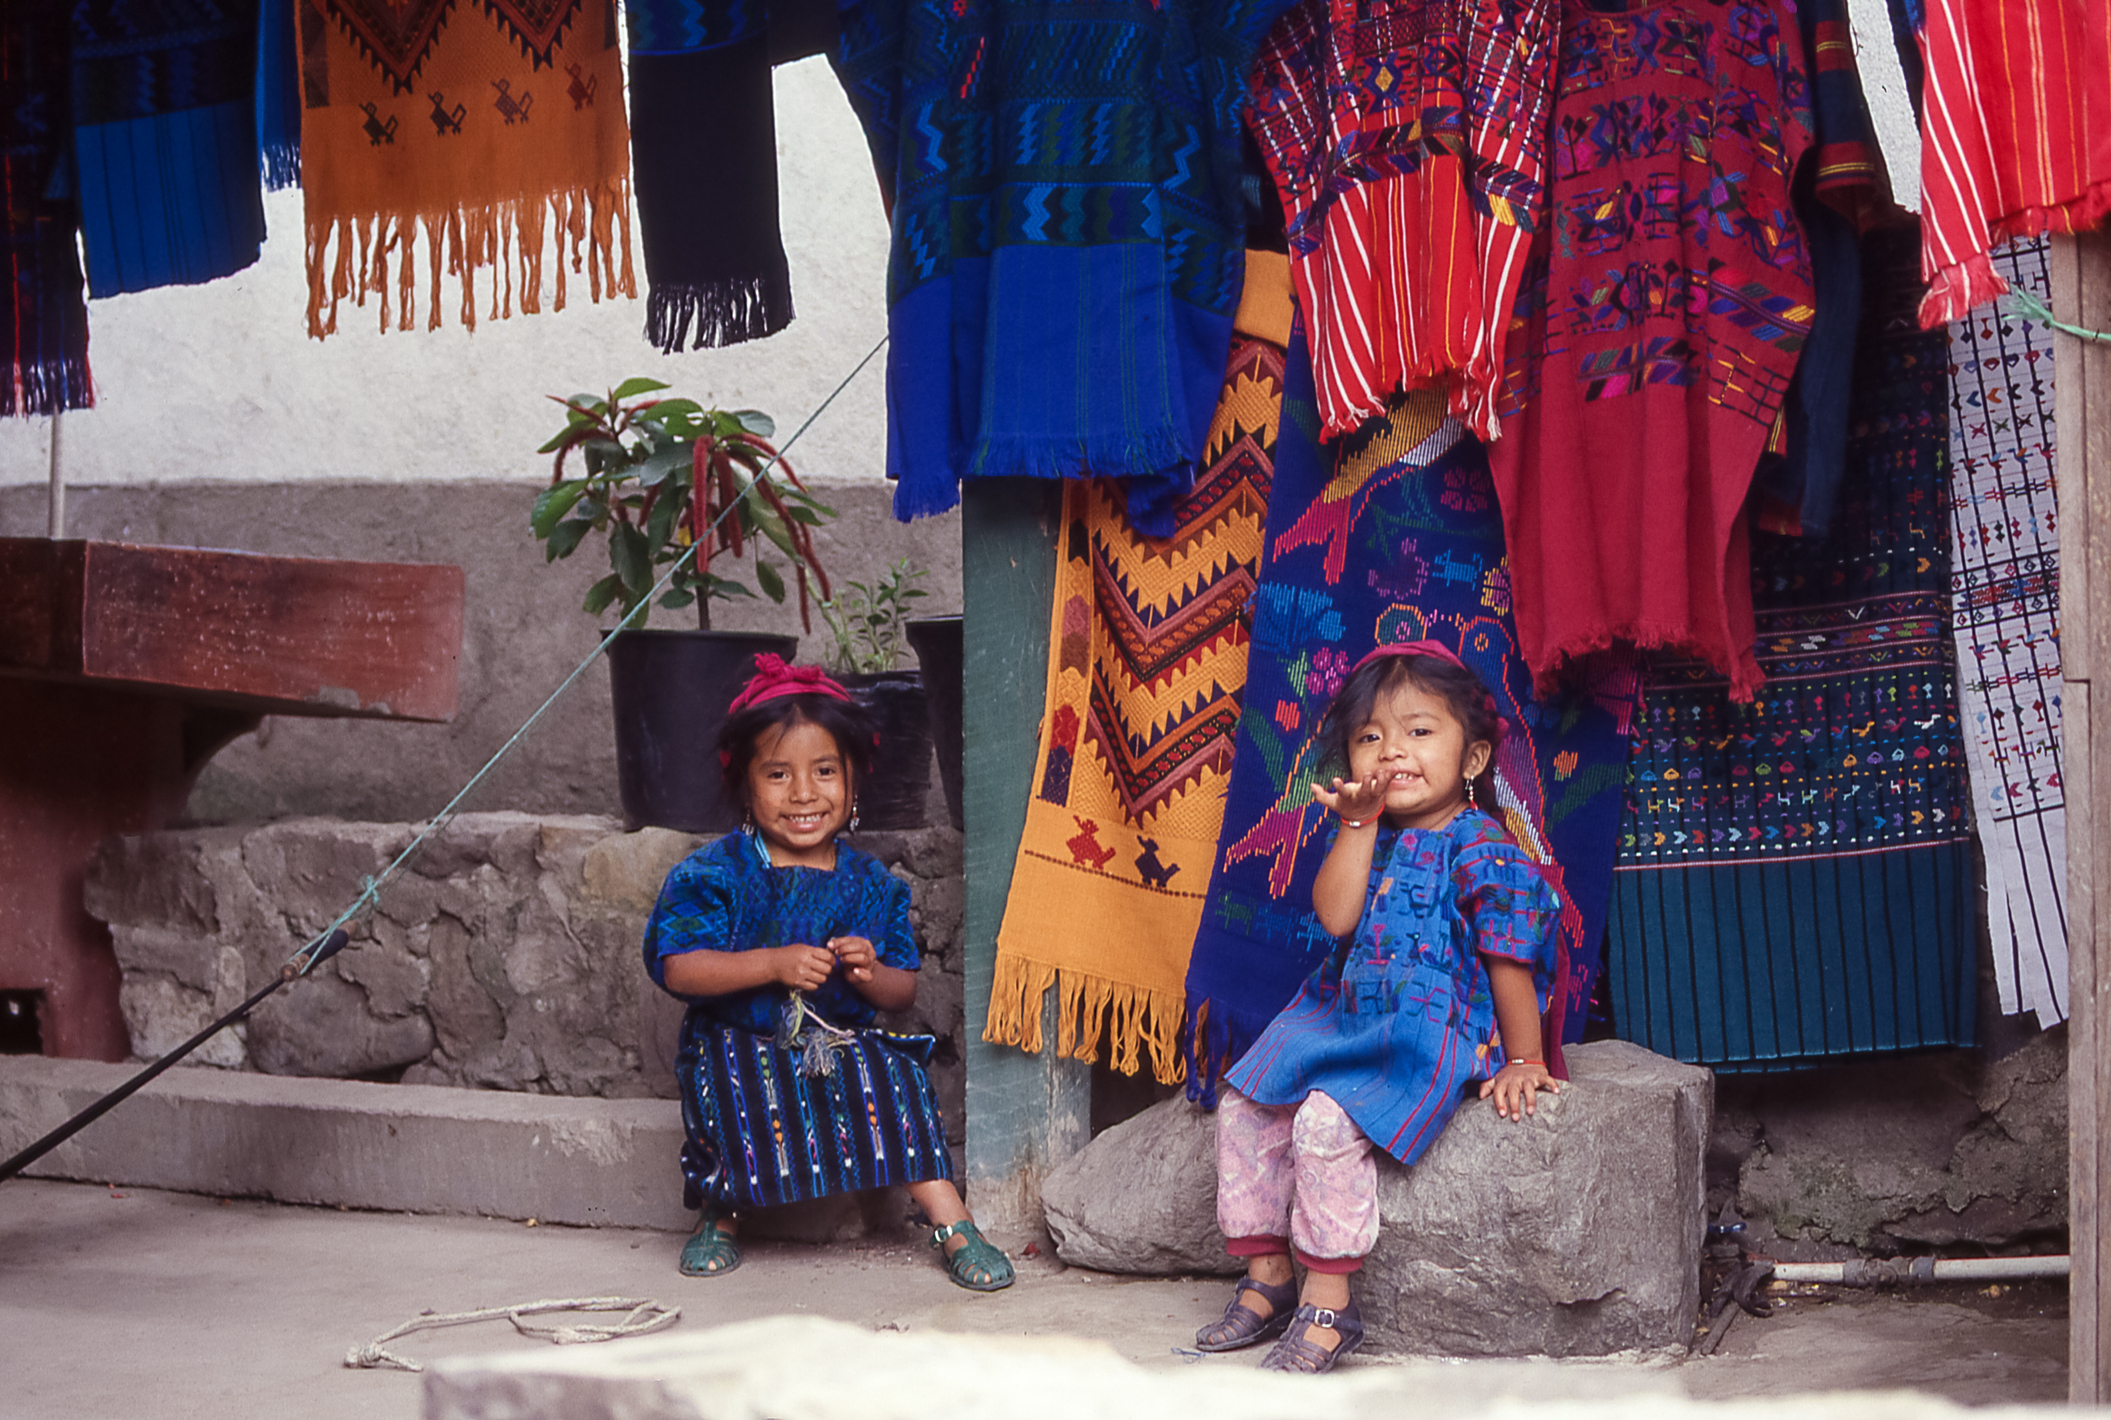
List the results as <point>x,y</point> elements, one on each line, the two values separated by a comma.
<point>940,651</point>
<point>893,795</point>
<point>670,690</point>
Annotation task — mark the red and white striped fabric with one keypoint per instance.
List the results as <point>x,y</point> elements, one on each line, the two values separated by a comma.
<point>2016,136</point>
<point>1408,141</point>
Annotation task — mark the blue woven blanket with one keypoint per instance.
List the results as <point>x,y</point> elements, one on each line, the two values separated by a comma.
<point>1067,246</point>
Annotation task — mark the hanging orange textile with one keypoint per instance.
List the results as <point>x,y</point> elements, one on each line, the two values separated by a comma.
<point>2017,125</point>
<point>1146,666</point>
<point>494,128</point>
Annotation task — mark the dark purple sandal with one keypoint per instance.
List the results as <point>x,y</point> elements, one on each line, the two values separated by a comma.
<point>1295,1353</point>
<point>1243,1326</point>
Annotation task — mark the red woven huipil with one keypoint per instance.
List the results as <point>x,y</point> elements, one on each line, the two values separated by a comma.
<point>1655,338</point>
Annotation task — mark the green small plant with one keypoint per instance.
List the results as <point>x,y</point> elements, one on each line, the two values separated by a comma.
<point>661,475</point>
<point>870,622</point>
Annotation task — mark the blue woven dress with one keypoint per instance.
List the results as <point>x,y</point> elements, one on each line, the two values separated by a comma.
<point>1398,1020</point>
<point>761,1130</point>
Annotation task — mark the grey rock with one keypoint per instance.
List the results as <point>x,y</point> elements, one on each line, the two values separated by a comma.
<point>153,881</point>
<point>396,982</point>
<point>625,870</point>
<point>659,1036</point>
<point>191,959</point>
<point>1142,1197</point>
<point>1574,1232</point>
<point>161,1014</point>
<point>319,1025</point>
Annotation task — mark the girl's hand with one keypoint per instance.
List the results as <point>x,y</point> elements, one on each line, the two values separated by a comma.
<point>801,967</point>
<point>857,955</point>
<point>1359,802</point>
<point>1515,1086</point>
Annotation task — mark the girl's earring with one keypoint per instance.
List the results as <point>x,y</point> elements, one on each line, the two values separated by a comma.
<point>1471,801</point>
<point>747,822</point>
<point>852,826</point>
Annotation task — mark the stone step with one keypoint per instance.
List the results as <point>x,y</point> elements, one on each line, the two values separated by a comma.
<point>395,1148</point>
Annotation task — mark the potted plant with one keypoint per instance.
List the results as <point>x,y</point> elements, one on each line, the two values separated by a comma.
<point>668,484</point>
<point>868,623</point>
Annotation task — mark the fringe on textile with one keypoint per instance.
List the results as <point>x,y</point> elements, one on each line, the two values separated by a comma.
<point>352,256</point>
<point>281,164</point>
<point>1954,291</point>
<point>47,387</point>
<point>1135,1022</point>
<point>1212,1037</point>
<point>721,313</point>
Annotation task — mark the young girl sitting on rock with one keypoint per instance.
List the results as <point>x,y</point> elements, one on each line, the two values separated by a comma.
<point>1441,984</point>
<point>786,943</point>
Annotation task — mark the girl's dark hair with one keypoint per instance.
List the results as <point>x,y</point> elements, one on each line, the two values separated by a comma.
<point>1460,690</point>
<point>846,722</point>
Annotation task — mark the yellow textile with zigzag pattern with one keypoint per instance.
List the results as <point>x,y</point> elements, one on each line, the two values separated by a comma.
<point>1147,659</point>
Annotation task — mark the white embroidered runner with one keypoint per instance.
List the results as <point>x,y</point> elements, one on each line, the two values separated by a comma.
<point>2005,612</point>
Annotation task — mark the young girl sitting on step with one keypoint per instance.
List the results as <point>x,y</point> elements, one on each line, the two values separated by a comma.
<point>1441,984</point>
<point>786,942</point>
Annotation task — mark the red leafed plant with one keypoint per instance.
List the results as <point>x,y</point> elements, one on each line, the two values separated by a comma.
<point>663,475</point>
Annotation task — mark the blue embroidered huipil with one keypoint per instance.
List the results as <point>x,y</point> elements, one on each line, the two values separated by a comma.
<point>1398,1019</point>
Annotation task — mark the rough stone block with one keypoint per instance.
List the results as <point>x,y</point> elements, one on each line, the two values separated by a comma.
<point>1574,1232</point>
<point>160,1014</point>
<point>1142,1197</point>
<point>625,870</point>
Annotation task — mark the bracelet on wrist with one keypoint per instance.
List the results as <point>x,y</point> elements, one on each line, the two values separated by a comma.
<point>1347,822</point>
<point>1524,1060</point>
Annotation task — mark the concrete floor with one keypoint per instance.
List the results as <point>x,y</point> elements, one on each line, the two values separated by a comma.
<point>128,1301</point>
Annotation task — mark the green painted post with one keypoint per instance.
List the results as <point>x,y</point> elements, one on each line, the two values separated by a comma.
<point>1026,1113</point>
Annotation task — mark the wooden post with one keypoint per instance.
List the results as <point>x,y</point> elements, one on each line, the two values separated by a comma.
<point>2081,295</point>
<point>1026,1113</point>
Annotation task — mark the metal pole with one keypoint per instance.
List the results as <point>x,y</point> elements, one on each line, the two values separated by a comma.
<point>55,524</point>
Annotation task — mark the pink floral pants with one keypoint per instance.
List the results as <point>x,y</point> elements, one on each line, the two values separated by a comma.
<point>1295,1178</point>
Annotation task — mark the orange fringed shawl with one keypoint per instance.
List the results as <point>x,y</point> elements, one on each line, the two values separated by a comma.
<point>1147,660</point>
<point>485,123</point>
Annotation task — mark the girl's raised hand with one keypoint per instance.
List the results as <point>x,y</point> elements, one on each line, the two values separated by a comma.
<point>803,968</point>
<point>857,955</point>
<point>1515,1087</point>
<point>1358,801</point>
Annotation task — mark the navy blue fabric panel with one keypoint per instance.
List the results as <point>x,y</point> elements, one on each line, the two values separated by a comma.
<point>1795,963</point>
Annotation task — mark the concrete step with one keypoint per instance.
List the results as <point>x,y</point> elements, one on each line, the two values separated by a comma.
<point>395,1148</point>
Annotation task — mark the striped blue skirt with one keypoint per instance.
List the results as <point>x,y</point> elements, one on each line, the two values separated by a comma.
<point>760,1133</point>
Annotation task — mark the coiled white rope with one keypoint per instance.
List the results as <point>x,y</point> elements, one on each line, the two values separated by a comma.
<point>643,1317</point>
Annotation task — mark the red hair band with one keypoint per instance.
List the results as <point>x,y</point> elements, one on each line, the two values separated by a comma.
<point>1443,653</point>
<point>774,678</point>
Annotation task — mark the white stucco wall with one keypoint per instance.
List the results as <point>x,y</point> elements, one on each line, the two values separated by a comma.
<point>221,382</point>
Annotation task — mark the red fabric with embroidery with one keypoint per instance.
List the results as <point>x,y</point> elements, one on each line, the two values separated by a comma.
<point>1654,340</point>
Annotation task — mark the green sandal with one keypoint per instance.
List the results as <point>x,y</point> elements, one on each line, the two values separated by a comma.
<point>977,1264</point>
<point>710,1252</point>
